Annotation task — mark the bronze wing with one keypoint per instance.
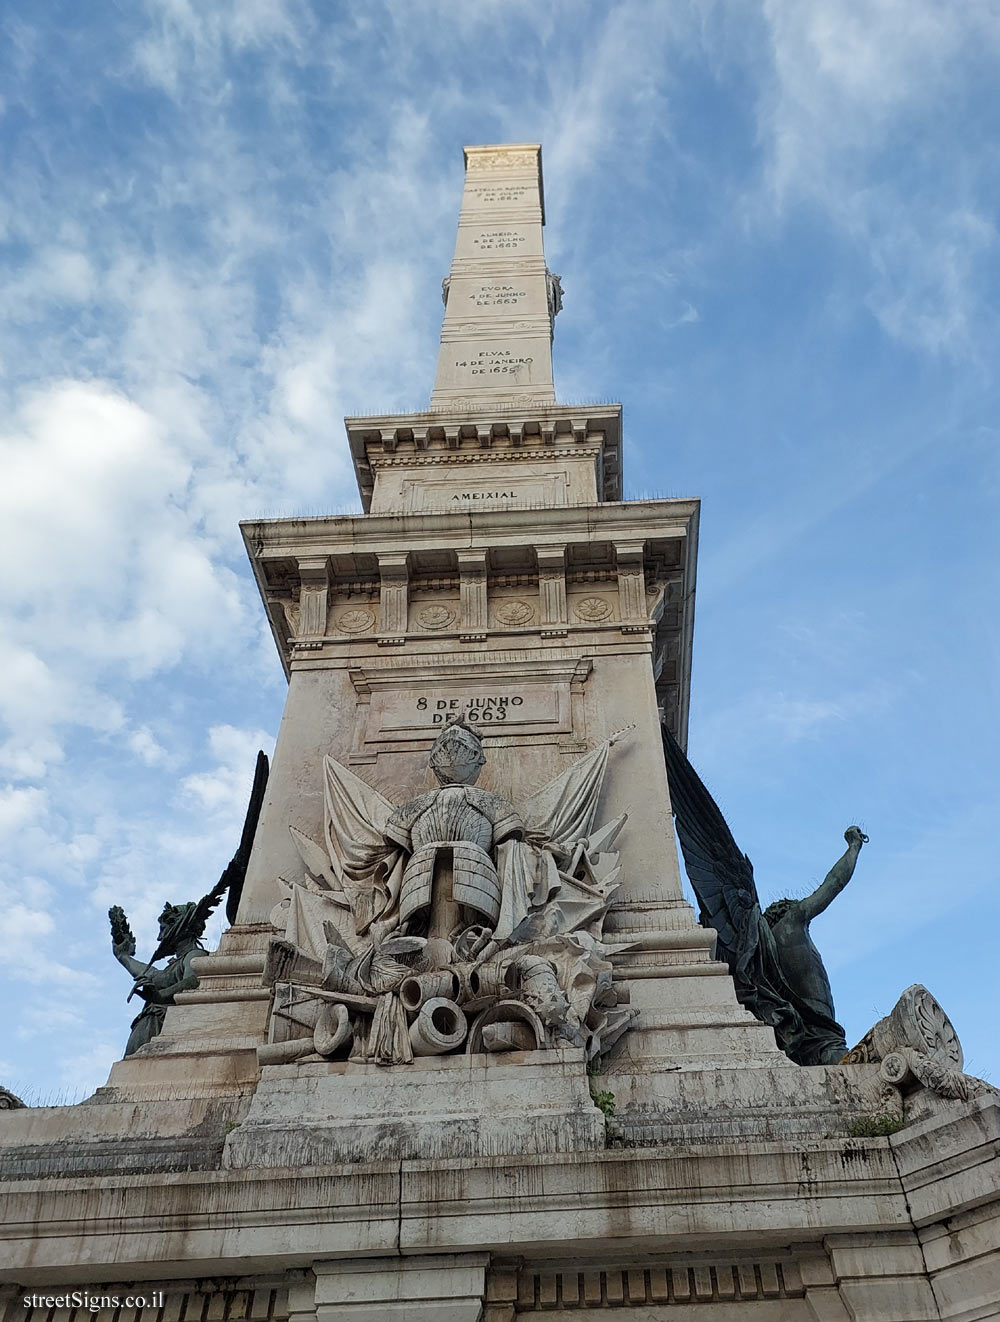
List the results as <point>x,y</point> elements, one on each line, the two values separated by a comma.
<point>192,922</point>
<point>721,876</point>
<point>235,874</point>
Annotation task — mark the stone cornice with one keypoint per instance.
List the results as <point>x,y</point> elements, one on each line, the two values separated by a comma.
<point>652,519</point>
<point>617,540</point>
<point>779,1192</point>
<point>424,459</point>
<point>471,427</point>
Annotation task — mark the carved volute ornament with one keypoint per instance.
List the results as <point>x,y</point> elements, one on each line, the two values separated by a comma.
<point>916,1045</point>
<point>454,921</point>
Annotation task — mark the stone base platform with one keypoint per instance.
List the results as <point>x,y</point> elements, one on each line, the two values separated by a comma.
<point>311,1114</point>
<point>97,1136</point>
<point>897,1229</point>
<point>691,1105</point>
<point>316,1113</point>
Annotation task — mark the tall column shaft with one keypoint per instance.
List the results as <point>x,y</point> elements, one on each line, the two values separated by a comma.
<point>496,342</point>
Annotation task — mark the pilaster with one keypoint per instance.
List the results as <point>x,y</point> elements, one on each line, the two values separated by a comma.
<point>472,590</point>
<point>552,590</point>
<point>394,598</point>
<point>432,1288</point>
<point>314,585</point>
<point>631,586</point>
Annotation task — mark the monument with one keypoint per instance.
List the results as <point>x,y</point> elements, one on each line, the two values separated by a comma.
<point>466,1053</point>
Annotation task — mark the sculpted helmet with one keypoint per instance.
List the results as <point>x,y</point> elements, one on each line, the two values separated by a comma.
<point>179,922</point>
<point>457,755</point>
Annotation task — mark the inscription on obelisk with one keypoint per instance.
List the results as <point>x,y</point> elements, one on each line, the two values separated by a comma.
<point>496,342</point>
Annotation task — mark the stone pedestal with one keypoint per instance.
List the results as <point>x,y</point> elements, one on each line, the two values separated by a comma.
<point>437,1108</point>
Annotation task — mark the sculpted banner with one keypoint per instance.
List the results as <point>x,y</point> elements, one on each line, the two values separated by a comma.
<point>455,920</point>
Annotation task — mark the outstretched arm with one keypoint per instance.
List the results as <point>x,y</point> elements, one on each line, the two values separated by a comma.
<point>837,878</point>
<point>137,967</point>
<point>123,943</point>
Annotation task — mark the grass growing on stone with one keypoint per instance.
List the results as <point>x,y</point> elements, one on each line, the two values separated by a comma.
<point>604,1100</point>
<point>876,1126</point>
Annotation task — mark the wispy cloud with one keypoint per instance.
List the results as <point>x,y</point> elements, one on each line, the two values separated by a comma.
<point>852,124</point>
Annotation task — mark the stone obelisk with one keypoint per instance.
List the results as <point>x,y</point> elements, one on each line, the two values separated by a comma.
<point>500,299</point>
<point>497,572</point>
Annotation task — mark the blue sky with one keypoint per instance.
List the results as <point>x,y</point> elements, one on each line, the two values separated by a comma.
<point>223,226</point>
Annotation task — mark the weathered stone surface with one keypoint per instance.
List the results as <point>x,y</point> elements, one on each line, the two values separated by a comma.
<point>163,1135</point>
<point>709,1205</point>
<point>443,1107</point>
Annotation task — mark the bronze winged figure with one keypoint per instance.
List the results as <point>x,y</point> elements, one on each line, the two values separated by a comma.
<point>778,972</point>
<point>181,929</point>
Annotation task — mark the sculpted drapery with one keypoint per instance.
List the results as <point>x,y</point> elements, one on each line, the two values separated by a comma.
<point>458,890</point>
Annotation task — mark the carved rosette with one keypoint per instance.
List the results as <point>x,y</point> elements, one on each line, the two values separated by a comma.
<point>515,614</point>
<point>593,610</point>
<point>357,620</point>
<point>434,618</point>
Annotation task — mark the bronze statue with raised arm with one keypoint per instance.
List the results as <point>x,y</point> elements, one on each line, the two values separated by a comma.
<point>800,960</point>
<point>181,926</point>
<point>181,929</point>
<point>778,972</point>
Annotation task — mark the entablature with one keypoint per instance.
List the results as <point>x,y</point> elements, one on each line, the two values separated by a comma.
<point>518,434</point>
<point>340,588</point>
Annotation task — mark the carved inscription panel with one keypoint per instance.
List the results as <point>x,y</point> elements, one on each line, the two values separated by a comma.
<point>493,362</point>
<point>495,299</point>
<point>490,489</point>
<point>419,711</point>
<point>497,242</point>
<point>497,295</point>
<point>492,195</point>
<point>397,713</point>
<point>504,366</point>
<point>484,707</point>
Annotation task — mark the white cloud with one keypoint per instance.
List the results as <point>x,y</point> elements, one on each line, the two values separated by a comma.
<point>19,923</point>
<point>849,70</point>
<point>121,578</point>
<point>144,744</point>
<point>226,787</point>
<point>190,39</point>
<point>857,91</point>
<point>19,806</point>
